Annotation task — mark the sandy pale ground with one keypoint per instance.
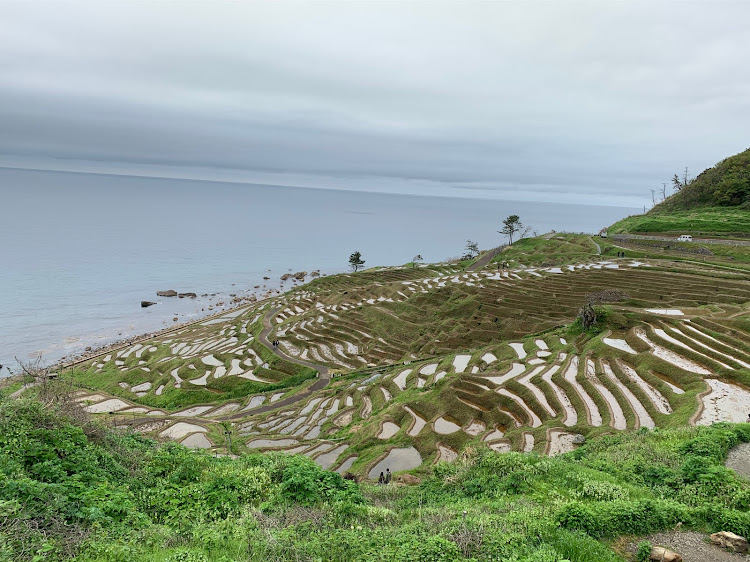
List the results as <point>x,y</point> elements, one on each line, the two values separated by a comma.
<point>460,362</point>
<point>739,459</point>
<point>692,546</point>
<point>418,423</point>
<point>388,430</point>
<point>518,348</point>
<point>560,442</point>
<point>181,429</point>
<point>619,344</point>
<point>726,402</point>
<point>595,417</point>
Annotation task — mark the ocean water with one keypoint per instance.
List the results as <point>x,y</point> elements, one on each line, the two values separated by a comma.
<point>79,251</point>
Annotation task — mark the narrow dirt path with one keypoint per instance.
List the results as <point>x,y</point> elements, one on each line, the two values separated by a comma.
<point>323,374</point>
<point>598,248</point>
<point>485,259</point>
<point>267,327</point>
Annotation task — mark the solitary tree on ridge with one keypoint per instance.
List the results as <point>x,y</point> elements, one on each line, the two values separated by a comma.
<point>511,225</point>
<point>472,248</point>
<point>356,261</point>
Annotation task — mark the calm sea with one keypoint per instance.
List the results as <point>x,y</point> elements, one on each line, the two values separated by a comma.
<point>79,252</point>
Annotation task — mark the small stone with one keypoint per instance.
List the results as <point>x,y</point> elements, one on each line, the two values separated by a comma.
<point>578,439</point>
<point>409,479</point>
<point>169,293</point>
<point>731,541</point>
<point>661,554</point>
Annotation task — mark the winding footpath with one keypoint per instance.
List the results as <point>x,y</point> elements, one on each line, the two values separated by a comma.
<point>324,375</point>
<point>485,259</point>
<point>598,247</point>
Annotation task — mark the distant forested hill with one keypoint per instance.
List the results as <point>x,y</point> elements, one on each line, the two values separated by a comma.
<point>717,203</point>
<point>725,185</point>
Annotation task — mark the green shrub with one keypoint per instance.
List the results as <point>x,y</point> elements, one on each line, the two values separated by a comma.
<point>643,552</point>
<point>619,517</point>
<point>186,556</point>
<point>305,483</point>
<point>602,491</point>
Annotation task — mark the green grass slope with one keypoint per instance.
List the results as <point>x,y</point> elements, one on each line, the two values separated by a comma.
<point>716,202</point>
<point>71,489</point>
<point>727,184</point>
<point>701,221</point>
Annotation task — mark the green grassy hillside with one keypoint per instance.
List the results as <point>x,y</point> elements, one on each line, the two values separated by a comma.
<point>73,489</point>
<point>727,184</point>
<point>475,387</point>
<point>702,221</point>
<point>717,202</point>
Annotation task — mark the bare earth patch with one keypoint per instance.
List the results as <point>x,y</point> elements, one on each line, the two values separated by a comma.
<point>739,459</point>
<point>692,546</point>
<point>725,402</point>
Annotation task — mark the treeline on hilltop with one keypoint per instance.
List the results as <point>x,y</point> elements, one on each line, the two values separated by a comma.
<point>727,184</point>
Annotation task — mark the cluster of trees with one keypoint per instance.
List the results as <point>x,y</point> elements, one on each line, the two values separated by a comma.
<point>725,185</point>
<point>678,183</point>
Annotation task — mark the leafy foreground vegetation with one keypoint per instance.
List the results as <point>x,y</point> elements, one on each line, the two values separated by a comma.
<point>71,489</point>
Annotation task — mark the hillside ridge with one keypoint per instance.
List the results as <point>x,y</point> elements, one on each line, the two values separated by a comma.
<point>727,184</point>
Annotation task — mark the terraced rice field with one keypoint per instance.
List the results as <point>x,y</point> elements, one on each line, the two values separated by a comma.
<point>399,368</point>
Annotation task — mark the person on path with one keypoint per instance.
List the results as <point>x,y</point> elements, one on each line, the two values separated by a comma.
<point>387,475</point>
<point>381,480</point>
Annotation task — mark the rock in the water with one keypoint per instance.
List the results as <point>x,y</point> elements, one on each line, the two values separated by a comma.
<point>731,541</point>
<point>144,304</point>
<point>664,555</point>
<point>187,295</point>
<point>169,293</point>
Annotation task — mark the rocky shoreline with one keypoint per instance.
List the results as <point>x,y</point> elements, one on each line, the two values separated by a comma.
<point>92,352</point>
<point>236,303</point>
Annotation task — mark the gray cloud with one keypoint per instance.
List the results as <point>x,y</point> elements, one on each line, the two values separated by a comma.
<point>535,101</point>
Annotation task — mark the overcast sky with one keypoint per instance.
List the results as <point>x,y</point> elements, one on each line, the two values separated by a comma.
<point>548,101</point>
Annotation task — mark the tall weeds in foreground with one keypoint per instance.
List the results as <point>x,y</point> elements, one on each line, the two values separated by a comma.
<point>72,489</point>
